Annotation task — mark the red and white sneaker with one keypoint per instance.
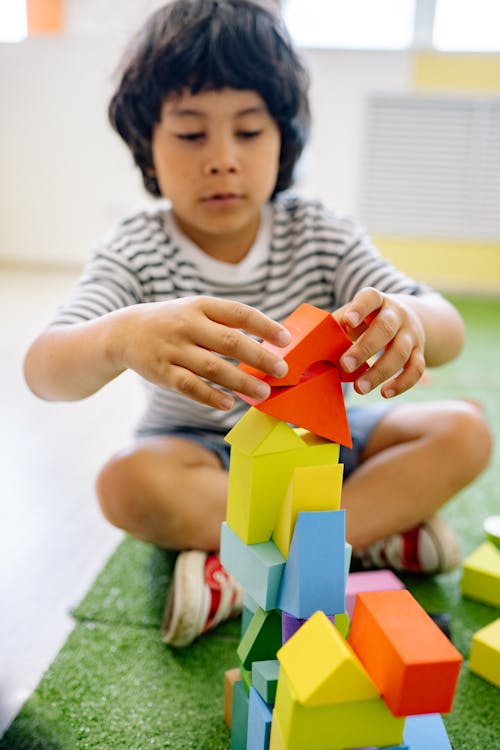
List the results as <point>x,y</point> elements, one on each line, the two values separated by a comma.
<point>201,596</point>
<point>428,549</point>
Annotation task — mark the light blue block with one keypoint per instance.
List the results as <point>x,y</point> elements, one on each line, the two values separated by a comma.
<point>426,731</point>
<point>315,572</point>
<point>259,722</point>
<point>239,717</point>
<point>265,676</point>
<point>258,567</point>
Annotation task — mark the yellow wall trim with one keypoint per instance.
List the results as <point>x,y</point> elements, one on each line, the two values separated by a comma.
<point>446,264</point>
<point>457,72</point>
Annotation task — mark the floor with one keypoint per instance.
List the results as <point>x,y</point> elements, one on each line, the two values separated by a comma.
<point>53,540</point>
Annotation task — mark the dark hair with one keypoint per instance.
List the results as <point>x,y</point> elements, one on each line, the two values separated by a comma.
<point>210,45</point>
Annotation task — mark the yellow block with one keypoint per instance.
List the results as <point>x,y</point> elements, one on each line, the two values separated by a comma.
<point>481,574</point>
<point>359,724</point>
<point>484,657</point>
<point>312,488</point>
<point>258,434</point>
<point>451,264</point>
<point>457,72</point>
<point>258,485</point>
<point>321,666</point>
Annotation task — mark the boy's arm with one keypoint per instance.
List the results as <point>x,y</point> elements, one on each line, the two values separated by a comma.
<point>412,331</point>
<point>174,344</point>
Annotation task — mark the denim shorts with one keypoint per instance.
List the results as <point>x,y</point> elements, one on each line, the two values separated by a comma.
<point>362,421</point>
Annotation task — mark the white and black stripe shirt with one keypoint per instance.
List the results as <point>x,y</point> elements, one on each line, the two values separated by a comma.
<point>303,253</point>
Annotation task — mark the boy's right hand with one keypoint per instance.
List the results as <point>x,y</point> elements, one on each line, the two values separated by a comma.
<point>177,344</point>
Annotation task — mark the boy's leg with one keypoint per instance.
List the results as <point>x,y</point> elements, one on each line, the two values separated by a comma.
<point>167,490</point>
<point>416,458</point>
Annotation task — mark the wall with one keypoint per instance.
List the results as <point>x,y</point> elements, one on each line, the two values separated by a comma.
<point>65,177</point>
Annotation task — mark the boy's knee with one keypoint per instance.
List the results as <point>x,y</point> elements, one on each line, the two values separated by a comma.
<point>118,492</point>
<point>468,439</point>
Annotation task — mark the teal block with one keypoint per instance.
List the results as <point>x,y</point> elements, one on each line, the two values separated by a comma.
<point>265,676</point>
<point>262,638</point>
<point>250,607</point>
<point>239,717</point>
<point>258,567</point>
<point>426,731</point>
<point>259,722</point>
<point>315,572</point>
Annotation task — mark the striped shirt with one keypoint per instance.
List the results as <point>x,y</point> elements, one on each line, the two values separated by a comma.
<point>303,253</point>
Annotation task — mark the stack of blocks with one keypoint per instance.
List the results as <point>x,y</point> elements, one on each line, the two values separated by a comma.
<point>310,675</point>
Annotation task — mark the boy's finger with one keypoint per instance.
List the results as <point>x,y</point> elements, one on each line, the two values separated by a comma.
<point>217,370</point>
<point>363,305</point>
<point>380,333</point>
<point>235,344</point>
<point>238,315</point>
<point>190,385</point>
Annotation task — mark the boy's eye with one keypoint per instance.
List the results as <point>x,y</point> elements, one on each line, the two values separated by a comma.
<point>249,133</point>
<point>190,136</point>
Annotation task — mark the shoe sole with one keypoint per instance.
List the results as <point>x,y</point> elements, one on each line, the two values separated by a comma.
<point>186,608</point>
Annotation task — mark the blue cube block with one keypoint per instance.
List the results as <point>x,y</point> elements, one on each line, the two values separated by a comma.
<point>259,722</point>
<point>426,731</point>
<point>315,572</point>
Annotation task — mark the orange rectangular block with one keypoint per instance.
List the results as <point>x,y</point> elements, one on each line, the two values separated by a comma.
<point>410,660</point>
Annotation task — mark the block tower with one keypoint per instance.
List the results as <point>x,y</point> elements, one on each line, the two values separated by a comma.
<point>308,677</point>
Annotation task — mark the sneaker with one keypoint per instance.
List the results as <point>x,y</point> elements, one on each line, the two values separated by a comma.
<point>201,596</point>
<point>429,548</point>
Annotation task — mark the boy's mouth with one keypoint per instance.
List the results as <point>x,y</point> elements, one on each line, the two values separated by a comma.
<point>222,198</point>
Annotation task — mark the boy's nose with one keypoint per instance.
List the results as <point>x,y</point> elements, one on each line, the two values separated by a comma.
<point>222,160</point>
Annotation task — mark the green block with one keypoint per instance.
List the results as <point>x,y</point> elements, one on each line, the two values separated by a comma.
<point>265,676</point>
<point>262,638</point>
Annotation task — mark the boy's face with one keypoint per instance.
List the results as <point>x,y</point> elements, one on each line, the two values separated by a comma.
<point>216,158</point>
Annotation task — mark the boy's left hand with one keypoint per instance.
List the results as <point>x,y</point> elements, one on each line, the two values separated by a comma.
<point>386,323</point>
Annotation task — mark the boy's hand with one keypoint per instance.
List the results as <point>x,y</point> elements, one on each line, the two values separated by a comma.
<point>379,322</point>
<point>177,345</point>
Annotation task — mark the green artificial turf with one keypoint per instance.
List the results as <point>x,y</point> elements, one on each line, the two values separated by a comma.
<point>114,684</point>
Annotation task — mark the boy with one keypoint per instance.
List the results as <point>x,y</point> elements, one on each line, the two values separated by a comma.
<point>212,102</point>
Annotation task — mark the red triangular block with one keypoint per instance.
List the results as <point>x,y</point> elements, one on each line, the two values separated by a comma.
<point>316,336</point>
<point>315,403</point>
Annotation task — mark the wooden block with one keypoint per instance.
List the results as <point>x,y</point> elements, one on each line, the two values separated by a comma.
<point>342,623</point>
<point>259,722</point>
<point>258,434</point>
<point>258,485</point>
<point>262,638</point>
<point>239,719</point>
<point>481,574</point>
<point>314,575</point>
<point>426,732</point>
<point>304,404</point>
<point>230,677</point>
<point>339,725</point>
<point>484,659</point>
<point>321,666</point>
<point>311,488</point>
<point>290,624</point>
<point>246,676</point>
<point>411,661</point>
<point>257,567</point>
<point>250,607</point>
<point>316,336</point>
<point>265,678</point>
<point>369,580</point>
